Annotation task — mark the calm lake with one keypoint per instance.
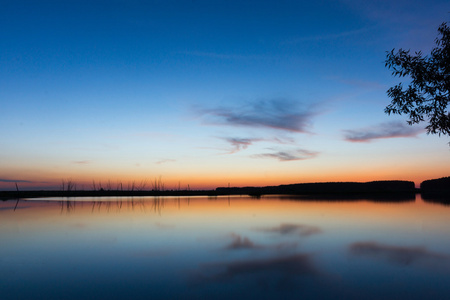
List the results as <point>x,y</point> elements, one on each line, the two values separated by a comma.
<point>273,247</point>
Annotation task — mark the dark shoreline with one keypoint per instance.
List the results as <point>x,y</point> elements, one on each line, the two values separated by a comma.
<point>326,190</point>
<point>376,189</point>
<point>4,195</point>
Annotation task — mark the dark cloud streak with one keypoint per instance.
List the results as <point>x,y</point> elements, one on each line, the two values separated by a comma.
<point>382,131</point>
<point>239,144</point>
<point>15,180</point>
<point>290,155</point>
<point>280,114</point>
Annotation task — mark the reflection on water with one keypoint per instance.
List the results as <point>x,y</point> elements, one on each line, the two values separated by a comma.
<point>114,204</point>
<point>223,247</point>
<point>396,254</point>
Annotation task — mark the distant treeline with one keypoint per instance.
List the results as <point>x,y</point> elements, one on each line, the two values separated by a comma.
<point>438,189</point>
<point>436,185</point>
<point>335,188</point>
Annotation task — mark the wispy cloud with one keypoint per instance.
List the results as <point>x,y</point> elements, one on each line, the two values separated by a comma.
<point>333,36</point>
<point>283,140</point>
<point>296,229</point>
<point>226,56</point>
<point>280,114</point>
<point>414,23</point>
<point>239,144</point>
<point>382,131</point>
<point>163,161</point>
<point>359,83</point>
<point>81,162</point>
<point>395,254</point>
<point>289,155</point>
<point>15,180</point>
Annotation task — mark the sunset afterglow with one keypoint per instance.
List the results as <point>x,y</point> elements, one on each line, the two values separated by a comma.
<point>206,94</point>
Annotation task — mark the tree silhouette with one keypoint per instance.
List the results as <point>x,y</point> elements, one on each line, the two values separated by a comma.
<point>427,96</point>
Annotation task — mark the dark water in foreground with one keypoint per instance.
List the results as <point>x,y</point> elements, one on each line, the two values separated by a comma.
<point>223,248</point>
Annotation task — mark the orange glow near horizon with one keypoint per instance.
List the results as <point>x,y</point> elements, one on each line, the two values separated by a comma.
<point>218,174</point>
<point>212,181</point>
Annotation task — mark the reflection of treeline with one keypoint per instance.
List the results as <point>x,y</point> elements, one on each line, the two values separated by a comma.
<point>346,197</point>
<point>328,188</point>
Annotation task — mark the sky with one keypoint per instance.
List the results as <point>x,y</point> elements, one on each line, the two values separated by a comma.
<point>203,94</point>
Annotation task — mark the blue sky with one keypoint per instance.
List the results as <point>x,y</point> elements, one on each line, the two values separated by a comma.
<point>208,93</point>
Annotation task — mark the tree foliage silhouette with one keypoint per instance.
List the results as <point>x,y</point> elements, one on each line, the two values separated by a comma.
<point>427,96</point>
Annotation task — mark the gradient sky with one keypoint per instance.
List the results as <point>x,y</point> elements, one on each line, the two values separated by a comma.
<point>210,93</point>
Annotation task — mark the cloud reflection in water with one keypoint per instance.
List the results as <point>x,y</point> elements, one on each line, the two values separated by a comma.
<point>238,242</point>
<point>299,229</point>
<point>279,272</point>
<point>395,254</point>
<point>278,268</point>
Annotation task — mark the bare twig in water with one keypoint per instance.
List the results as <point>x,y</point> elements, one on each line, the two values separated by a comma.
<point>18,196</point>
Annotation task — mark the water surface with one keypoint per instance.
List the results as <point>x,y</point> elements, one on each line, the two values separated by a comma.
<point>223,247</point>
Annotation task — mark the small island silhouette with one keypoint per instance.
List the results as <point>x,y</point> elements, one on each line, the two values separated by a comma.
<point>436,190</point>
